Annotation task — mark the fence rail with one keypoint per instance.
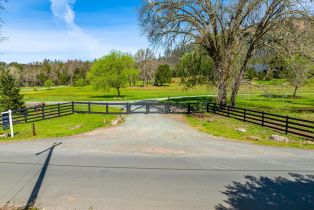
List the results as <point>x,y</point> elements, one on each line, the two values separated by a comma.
<point>42,112</point>
<point>286,124</point>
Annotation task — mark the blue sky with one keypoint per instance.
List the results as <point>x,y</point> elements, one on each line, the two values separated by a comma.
<point>69,29</point>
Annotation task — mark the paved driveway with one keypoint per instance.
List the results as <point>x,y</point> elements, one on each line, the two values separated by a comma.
<point>154,162</point>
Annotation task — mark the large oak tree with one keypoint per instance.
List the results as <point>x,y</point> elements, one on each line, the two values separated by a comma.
<point>230,31</point>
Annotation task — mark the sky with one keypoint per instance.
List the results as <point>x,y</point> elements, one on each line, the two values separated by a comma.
<point>69,29</point>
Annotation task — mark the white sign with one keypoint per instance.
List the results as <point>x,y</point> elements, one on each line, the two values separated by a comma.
<point>7,121</point>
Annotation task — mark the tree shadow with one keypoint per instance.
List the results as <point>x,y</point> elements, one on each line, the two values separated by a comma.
<point>264,193</point>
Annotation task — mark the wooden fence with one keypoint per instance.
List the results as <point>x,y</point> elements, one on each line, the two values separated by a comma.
<point>41,112</point>
<point>286,124</point>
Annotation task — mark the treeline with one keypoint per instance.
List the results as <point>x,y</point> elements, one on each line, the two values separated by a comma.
<point>37,73</point>
<point>74,72</point>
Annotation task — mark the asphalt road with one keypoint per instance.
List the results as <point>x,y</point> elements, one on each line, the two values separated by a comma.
<point>154,162</point>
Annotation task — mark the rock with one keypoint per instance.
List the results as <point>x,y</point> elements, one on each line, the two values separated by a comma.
<point>76,127</point>
<point>5,135</point>
<point>308,142</point>
<point>199,115</point>
<point>254,138</point>
<point>278,138</point>
<point>242,130</point>
<point>116,121</point>
<point>210,120</point>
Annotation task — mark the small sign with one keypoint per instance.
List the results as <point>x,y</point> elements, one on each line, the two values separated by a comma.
<point>5,121</point>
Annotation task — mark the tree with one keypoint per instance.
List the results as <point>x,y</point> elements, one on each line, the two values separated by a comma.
<point>10,97</point>
<point>132,76</point>
<point>194,69</point>
<point>163,75</point>
<point>48,83</point>
<point>145,60</point>
<point>293,44</point>
<point>230,31</point>
<point>111,71</point>
<point>298,72</point>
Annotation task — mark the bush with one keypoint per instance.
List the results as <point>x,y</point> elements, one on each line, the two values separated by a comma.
<point>80,83</point>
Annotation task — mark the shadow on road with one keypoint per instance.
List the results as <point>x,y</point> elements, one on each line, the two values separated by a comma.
<point>33,197</point>
<point>264,193</point>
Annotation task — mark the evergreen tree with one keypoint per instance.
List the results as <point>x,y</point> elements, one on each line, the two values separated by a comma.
<point>10,97</point>
<point>163,75</point>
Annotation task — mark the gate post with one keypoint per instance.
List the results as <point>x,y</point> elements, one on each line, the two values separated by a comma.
<point>189,108</point>
<point>128,108</point>
<point>147,108</point>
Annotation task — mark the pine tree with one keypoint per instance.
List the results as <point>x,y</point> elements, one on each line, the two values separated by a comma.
<point>10,97</point>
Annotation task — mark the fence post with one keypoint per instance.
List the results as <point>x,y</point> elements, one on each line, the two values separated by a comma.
<point>43,111</point>
<point>72,106</point>
<point>263,118</point>
<point>25,115</point>
<point>214,108</point>
<point>287,124</point>
<point>107,108</point>
<point>25,118</point>
<point>207,107</point>
<point>168,107</point>
<point>228,111</point>
<point>244,116</point>
<point>89,108</point>
<point>59,110</point>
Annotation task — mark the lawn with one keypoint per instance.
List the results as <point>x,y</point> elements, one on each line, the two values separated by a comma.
<point>87,93</point>
<point>226,127</point>
<point>63,126</point>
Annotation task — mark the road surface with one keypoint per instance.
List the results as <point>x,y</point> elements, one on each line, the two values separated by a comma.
<point>154,162</point>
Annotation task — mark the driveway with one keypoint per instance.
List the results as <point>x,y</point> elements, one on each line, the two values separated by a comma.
<point>154,162</point>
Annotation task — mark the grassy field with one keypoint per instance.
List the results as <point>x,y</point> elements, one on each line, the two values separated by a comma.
<point>63,126</point>
<point>269,96</point>
<point>300,107</point>
<point>226,127</point>
<point>87,93</point>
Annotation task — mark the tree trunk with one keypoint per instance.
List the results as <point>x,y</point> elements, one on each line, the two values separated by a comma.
<point>222,83</point>
<point>237,83</point>
<point>295,91</point>
<point>236,87</point>
<point>118,89</point>
<point>222,93</point>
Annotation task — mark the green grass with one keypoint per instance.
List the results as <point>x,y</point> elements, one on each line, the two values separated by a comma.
<point>87,93</point>
<point>63,126</point>
<point>226,127</point>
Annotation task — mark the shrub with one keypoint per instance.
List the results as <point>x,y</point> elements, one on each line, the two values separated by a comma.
<point>48,83</point>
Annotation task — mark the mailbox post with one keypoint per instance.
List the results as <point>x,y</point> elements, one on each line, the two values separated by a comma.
<point>7,121</point>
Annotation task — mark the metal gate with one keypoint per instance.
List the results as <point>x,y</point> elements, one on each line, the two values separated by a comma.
<point>148,108</point>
